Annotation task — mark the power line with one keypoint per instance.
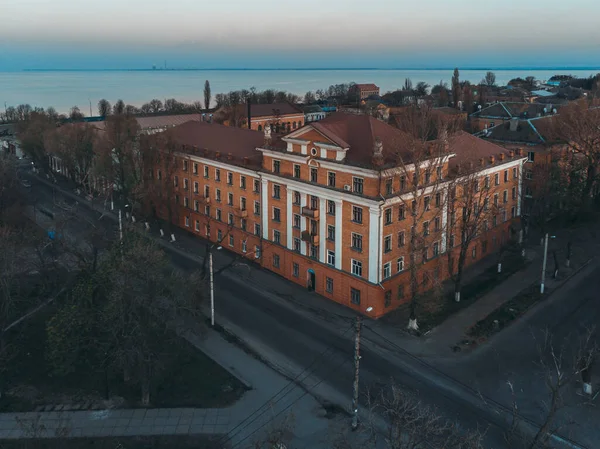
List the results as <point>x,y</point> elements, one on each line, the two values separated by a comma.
<point>243,424</point>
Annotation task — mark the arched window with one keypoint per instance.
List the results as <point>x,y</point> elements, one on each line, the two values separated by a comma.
<point>294,125</point>
<point>260,127</point>
<point>289,127</point>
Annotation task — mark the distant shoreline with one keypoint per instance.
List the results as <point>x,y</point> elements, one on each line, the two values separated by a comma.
<point>309,69</point>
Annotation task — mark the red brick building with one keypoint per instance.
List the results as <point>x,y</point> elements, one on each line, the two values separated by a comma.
<point>324,206</point>
<point>364,91</point>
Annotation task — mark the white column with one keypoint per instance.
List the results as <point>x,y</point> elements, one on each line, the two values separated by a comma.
<point>265,208</point>
<point>374,244</point>
<point>519,197</point>
<point>322,230</point>
<point>303,203</point>
<point>444,219</point>
<point>289,220</point>
<point>338,234</point>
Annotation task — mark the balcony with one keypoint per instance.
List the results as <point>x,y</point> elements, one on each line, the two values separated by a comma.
<point>313,239</point>
<point>243,213</point>
<point>311,213</point>
<point>207,199</point>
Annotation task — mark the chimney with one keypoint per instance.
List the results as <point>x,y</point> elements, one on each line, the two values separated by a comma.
<point>248,106</point>
<point>501,156</point>
<point>205,151</point>
<point>519,151</point>
<point>482,162</point>
<point>378,152</point>
<point>229,156</point>
<point>492,159</point>
<point>514,124</point>
<point>511,154</point>
<point>218,155</point>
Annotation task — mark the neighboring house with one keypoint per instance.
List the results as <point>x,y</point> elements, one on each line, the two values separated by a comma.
<point>498,113</point>
<point>313,113</point>
<point>280,117</point>
<point>377,109</point>
<point>9,142</point>
<point>323,206</point>
<point>364,91</point>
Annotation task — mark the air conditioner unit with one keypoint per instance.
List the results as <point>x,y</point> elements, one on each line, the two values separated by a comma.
<point>347,188</point>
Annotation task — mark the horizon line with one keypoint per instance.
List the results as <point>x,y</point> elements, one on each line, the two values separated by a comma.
<point>193,69</point>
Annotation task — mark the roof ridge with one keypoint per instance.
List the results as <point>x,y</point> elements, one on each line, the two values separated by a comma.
<point>507,111</point>
<point>536,131</point>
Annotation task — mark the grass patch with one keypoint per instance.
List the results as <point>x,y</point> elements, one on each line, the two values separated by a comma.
<point>505,314</point>
<point>437,306</point>
<point>150,442</point>
<point>190,378</point>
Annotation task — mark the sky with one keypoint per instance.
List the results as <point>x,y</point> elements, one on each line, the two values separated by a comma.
<point>130,34</point>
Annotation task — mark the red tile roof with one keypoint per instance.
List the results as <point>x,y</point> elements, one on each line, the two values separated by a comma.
<point>239,142</point>
<point>471,149</point>
<point>359,132</point>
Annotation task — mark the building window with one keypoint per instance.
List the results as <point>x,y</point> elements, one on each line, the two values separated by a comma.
<point>530,156</point>
<point>257,252</point>
<point>158,175</point>
<point>451,241</point>
<point>243,224</point>
<point>438,199</point>
<point>296,171</point>
<point>297,198</point>
<point>207,210</point>
<point>197,226</point>
<point>185,165</point>
<point>313,174</point>
<point>401,239</point>
<point>196,187</point>
<point>387,244</point>
<point>400,294</point>
<point>514,193</point>
<point>219,235</point>
<point>426,228</point>
<point>314,202</point>
<point>186,184</point>
<point>218,216</point>
<point>437,224</point>
<point>231,240</point>
<point>314,251</point>
<point>276,236</point>
<point>513,212</point>
<point>427,203</point>
<point>331,179</point>
<point>401,212</point>
<point>356,267</point>
<point>230,178</point>
<point>486,182</point>
<point>474,252</point>
<point>436,249</point>
<point>330,257</point>
<point>497,179</point>
<point>296,244</point>
<point>230,199</point>
<point>505,196</point>
<point>402,183</point>
<point>297,219</point>
<point>400,264</point>
<point>357,185</point>
<point>295,270</point>
<point>176,181</point>
<point>244,246</point>
<point>256,184</point>
<point>186,201</point>
<point>515,173</point>
<point>331,207</point>
<point>414,207</point>
<point>427,177</point>
<point>505,175</point>
<point>503,215</point>
<point>276,191</point>
<point>206,172</point>
<point>257,208</point>
<point>256,229</point>
<point>357,213</point>
<point>387,270</point>
<point>389,186</point>
<point>196,206</point>
<point>330,232</point>
<point>354,296</point>
<point>230,219</point>
<point>438,172</point>
<point>218,195</point>
<point>496,199</point>
<point>206,191</point>
<point>329,285</point>
<point>388,216</point>
<point>242,203</point>
<point>276,166</point>
<point>187,222</point>
<point>195,168</point>
<point>276,260</point>
<point>276,214</point>
<point>529,174</point>
<point>356,241</point>
<point>217,175</point>
<point>207,230</point>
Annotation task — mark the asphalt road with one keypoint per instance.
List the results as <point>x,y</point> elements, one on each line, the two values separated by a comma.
<point>284,334</point>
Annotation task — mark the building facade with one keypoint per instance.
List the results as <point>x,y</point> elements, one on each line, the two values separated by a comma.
<point>364,91</point>
<point>327,206</point>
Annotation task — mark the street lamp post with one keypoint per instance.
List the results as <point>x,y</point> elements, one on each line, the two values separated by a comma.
<point>212,285</point>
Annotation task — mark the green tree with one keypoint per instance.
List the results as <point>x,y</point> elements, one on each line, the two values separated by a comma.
<point>456,89</point>
<point>207,94</point>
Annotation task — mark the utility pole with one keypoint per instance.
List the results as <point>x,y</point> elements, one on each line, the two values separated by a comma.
<point>544,263</point>
<point>356,372</point>
<point>212,287</point>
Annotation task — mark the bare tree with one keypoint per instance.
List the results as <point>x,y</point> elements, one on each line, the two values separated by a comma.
<point>155,106</point>
<point>489,79</point>
<point>104,108</point>
<point>31,131</point>
<point>206,95</point>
